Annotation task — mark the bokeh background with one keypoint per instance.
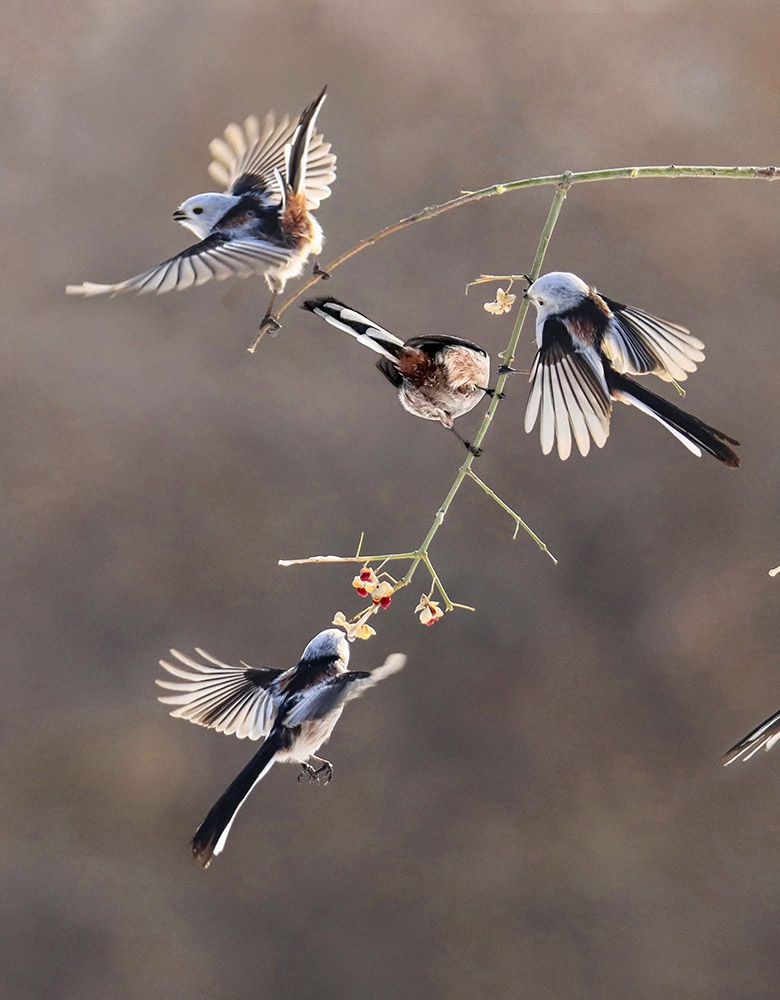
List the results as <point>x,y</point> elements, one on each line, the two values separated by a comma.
<point>534,807</point>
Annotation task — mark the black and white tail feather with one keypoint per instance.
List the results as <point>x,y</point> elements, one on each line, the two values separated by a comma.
<point>364,330</point>
<point>762,737</point>
<point>689,430</point>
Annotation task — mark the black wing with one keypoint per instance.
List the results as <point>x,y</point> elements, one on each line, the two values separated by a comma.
<point>390,372</point>
<point>322,699</point>
<point>434,342</point>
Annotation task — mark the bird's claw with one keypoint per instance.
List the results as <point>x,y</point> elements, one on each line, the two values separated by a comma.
<point>507,370</point>
<point>319,775</point>
<point>270,323</point>
<point>318,272</point>
<point>324,774</point>
<point>308,770</point>
<point>476,452</point>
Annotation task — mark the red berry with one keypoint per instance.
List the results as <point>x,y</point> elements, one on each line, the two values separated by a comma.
<point>385,601</point>
<point>361,592</point>
<point>365,574</point>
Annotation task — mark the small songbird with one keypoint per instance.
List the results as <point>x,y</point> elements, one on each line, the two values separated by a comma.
<point>765,735</point>
<point>438,377</point>
<point>295,711</point>
<point>587,344</point>
<point>262,224</point>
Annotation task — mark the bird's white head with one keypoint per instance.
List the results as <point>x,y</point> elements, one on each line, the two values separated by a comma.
<point>331,644</point>
<point>202,212</point>
<point>557,292</point>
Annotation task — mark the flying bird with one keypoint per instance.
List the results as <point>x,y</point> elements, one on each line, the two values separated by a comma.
<point>293,711</point>
<point>764,736</point>
<point>438,377</point>
<point>587,347</point>
<point>274,177</point>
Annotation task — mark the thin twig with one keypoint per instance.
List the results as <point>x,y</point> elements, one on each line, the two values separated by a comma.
<point>448,604</point>
<point>346,559</point>
<point>519,522</point>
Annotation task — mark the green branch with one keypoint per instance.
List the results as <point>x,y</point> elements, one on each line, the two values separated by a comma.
<point>567,178</point>
<point>420,555</point>
<point>562,183</point>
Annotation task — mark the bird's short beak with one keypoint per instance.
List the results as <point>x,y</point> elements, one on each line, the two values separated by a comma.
<point>178,215</point>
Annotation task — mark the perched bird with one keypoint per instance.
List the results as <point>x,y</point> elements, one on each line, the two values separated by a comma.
<point>438,377</point>
<point>765,735</point>
<point>586,346</point>
<point>262,224</point>
<point>295,711</point>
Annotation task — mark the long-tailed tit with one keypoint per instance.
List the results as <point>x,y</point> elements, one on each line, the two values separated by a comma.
<point>586,346</point>
<point>293,710</point>
<point>765,735</point>
<point>438,377</point>
<point>273,176</point>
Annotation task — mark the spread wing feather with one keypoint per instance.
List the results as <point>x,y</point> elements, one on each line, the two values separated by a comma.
<point>232,700</point>
<point>246,158</point>
<point>215,257</point>
<point>638,343</point>
<point>569,395</point>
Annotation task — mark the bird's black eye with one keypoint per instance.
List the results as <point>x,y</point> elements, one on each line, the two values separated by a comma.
<point>540,302</point>
<point>197,211</point>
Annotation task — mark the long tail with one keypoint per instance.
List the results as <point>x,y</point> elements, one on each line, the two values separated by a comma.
<point>691,431</point>
<point>212,834</point>
<point>765,735</point>
<point>296,152</point>
<point>343,317</point>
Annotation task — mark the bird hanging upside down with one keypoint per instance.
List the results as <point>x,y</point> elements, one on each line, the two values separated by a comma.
<point>438,377</point>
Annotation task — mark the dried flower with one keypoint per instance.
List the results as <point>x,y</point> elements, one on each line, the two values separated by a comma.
<point>502,304</point>
<point>383,593</point>
<point>366,583</point>
<point>358,629</point>
<point>430,611</point>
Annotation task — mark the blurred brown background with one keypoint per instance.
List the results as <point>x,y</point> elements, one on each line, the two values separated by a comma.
<point>534,807</point>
